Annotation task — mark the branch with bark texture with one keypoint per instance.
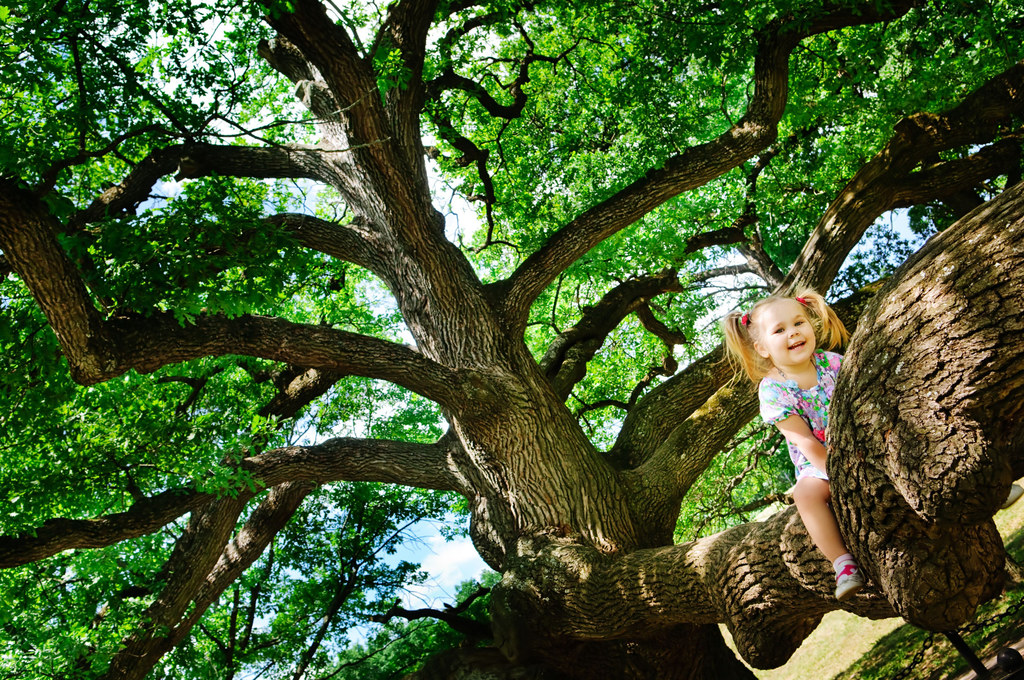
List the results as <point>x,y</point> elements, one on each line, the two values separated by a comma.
<point>344,242</point>
<point>770,599</point>
<point>203,564</point>
<point>751,247</point>
<point>201,160</point>
<point>689,169</point>
<point>422,465</point>
<point>450,615</point>
<point>98,349</point>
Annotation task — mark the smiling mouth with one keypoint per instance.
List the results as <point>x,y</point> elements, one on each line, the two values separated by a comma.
<point>797,345</point>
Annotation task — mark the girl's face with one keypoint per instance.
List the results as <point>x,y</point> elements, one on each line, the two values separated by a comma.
<point>785,334</point>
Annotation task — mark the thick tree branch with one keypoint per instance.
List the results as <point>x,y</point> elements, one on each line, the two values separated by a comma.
<point>385,181</point>
<point>98,350</point>
<point>425,466</point>
<point>194,555</point>
<point>725,270</point>
<point>420,465</point>
<point>407,25</point>
<point>663,408</point>
<point>57,535</point>
<point>266,520</point>
<point>200,160</point>
<point>951,179</point>
<point>707,581</point>
<point>330,50</point>
<point>690,169</point>
<point>656,327</point>
<point>344,242</point>
<point>146,344</point>
<point>716,237</point>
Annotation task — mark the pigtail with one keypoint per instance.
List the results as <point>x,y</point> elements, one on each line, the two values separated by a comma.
<point>831,331</point>
<point>739,346</point>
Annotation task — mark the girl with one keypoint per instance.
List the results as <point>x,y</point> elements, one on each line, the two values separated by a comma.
<point>776,342</point>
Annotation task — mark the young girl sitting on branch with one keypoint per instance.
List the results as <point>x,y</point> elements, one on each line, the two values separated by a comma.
<point>777,343</point>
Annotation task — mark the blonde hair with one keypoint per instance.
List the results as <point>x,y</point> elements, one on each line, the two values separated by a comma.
<point>740,330</point>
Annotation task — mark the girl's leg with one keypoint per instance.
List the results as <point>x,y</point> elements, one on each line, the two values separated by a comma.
<point>811,496</point>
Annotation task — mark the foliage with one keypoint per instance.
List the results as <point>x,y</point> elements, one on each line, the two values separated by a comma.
<point>307,599</point>
<point>92,91</point>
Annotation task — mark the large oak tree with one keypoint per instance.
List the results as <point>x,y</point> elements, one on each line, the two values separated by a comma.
<point>229,219</point>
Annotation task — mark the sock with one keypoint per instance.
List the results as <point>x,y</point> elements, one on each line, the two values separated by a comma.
<point>842,562</point>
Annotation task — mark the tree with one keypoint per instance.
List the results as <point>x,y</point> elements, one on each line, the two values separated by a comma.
<point>624,158</point>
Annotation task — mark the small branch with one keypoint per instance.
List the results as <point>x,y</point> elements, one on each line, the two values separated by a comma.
<point>49,178</point>
<point>566,358</point>
<point>670,337</point>
<point>450,615</point>
<point>717,237</point>
<point>196,385</point>
<point>597,405</point>
<point>725,270</point>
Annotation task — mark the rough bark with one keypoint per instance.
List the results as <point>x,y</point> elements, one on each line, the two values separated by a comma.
<point>928,421</point>
<point>425,466</point>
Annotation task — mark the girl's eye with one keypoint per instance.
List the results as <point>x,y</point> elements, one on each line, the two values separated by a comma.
<point>778,330</point>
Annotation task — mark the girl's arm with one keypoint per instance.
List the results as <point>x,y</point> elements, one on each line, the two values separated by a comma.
<point>798,433</point>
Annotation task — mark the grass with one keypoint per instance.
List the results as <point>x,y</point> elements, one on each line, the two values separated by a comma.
<point>847,647</point>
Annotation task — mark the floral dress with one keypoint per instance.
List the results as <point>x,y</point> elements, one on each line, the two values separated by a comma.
<point>781,399</point>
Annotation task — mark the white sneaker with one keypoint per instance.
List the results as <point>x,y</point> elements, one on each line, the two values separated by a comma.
<point>1015,493</point>
<point>849,582</point>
